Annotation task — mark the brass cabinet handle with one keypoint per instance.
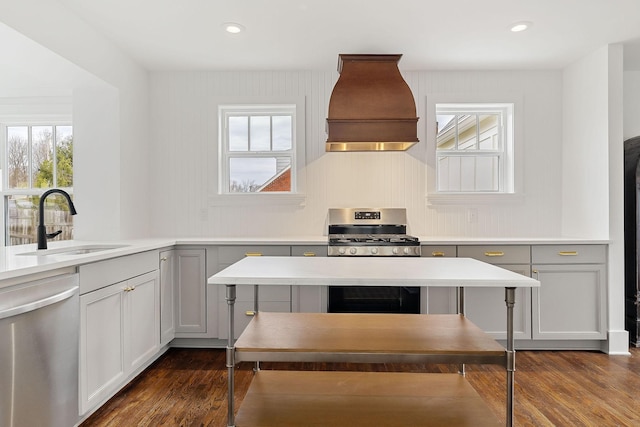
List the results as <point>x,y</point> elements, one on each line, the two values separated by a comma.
<point>568,253</point>
<point>250,313</point>
<point>309,254</point>
<point>164,258</point>
<point>437,253</point>
<point>253,254</point>
<point>495,253</point>
<point>129,288</point>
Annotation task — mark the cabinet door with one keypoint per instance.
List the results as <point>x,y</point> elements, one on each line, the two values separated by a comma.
<point>191,299</point>
<point>309,299</point>
<point>570,303</point>
<point>167,306</point>
<point>142,320</point>
<point>102,344</point>
<point>271,298</point>
<point>486,308</point>
<point>439,300</point>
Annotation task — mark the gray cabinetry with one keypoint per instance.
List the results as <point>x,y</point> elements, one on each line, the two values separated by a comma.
<point>571,301</point>
<point>438,300</point>
<point>485,306</point>
<point>119,323</point>
<point>167,300</point>
<point>309,299</point>
<point>271,298</point>
<point>190,293</point>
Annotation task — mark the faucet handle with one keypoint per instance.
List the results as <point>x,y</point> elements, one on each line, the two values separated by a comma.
<point>54,234</point>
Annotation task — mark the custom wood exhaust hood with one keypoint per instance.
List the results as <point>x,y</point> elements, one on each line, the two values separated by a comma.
<point>371,107</point>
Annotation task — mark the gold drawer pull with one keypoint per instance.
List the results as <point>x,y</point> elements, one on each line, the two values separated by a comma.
<point>496,253</point>
<point>253,254</point>
<point>250,313</point>
<point>568,253</point>
<point>437,253</point>
<point>309,254</point>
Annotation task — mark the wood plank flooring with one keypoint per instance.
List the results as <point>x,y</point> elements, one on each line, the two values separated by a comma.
<point>188,387</point>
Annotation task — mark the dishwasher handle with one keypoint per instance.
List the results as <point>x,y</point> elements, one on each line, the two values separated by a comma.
<point>30,306</point>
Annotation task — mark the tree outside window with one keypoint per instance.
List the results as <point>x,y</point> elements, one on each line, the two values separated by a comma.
<point>37,158</point>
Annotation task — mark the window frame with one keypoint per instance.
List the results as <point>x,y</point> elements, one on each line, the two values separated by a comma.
<point>504,142</point>
<point>511,168</point>
<point>259,106</point>
<point>5,192</point>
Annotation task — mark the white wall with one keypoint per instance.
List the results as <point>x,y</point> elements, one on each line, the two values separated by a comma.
<point>593,168</point>
<point>126,175</point>
<point>184,134</point>
<point>585,170</point>
<point>631,104</point>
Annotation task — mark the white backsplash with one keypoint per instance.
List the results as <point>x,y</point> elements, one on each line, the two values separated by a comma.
<point>184,137</point>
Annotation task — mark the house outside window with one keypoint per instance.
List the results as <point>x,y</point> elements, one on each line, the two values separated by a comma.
<point>35,158</point>
<point>257,149</point>
<point>474,148</point>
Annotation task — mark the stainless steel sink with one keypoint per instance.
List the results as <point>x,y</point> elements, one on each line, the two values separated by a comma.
<point>74,250</point>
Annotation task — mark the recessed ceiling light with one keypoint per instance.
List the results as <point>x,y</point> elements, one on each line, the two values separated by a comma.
<point>521,26</point>
<point>232,27</point>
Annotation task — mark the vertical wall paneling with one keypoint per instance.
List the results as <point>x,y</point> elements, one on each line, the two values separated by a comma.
<point>184,140</point>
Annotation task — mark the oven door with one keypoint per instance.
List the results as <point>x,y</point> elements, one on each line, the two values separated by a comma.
<point>374,299</point>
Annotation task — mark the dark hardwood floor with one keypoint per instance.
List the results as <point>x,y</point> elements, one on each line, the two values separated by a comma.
<point>187,387</point>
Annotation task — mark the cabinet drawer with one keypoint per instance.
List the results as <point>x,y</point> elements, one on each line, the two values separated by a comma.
<point>309,250</point>
<point>104,273</point>
<point>438,251</point>
<point>231,254</point>
<point>569,254</point>
<point>266,293</point>
<point>497,254</point>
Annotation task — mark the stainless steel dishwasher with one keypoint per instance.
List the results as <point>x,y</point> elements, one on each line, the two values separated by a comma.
<point>39,328</point>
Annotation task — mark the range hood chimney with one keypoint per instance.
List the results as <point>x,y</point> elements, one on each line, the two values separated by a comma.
<point>371,106</point>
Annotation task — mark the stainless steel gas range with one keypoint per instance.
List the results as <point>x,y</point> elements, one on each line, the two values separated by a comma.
<point>371,232</point>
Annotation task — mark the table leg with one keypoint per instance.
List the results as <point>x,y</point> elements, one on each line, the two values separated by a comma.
<point>256,307</point>
<point>460,300</point>
<point>231,299</point>
<point>510,299</point>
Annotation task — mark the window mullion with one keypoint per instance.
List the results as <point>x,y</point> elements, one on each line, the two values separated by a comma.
<point>249,132</point>
<point>477,116</point>
<point>30,156</point>
<point>54,165</point>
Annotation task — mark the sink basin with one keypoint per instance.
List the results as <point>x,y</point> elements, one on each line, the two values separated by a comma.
<point>74,250</point>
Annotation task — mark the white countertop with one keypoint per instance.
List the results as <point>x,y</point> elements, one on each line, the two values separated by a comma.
<point>377,271</point>
<point>13,265</point>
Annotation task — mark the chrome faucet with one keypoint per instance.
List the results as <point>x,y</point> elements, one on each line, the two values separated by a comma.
<point>42,230</point>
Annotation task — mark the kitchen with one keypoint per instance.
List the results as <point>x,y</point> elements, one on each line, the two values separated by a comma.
<point>130,136</point>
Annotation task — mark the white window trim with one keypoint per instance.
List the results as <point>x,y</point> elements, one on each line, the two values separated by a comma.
<point>28,115</point>
<point>515,195</point>
<point>297,195</point>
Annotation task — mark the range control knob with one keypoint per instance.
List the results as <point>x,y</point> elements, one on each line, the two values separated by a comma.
<point>374,250</point>
<point>406,250</point>
<point>395,251</point>
<point>342,251</point>
<point>353,251</point>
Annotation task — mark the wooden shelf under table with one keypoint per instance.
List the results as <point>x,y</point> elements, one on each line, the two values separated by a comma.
<point>354,399</point>
<point>366,338</point>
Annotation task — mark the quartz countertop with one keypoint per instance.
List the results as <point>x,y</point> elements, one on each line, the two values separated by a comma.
<point>13,265</point>
<point>369,271</point>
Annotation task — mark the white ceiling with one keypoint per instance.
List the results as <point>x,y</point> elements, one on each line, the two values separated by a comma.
<point>309,34</point>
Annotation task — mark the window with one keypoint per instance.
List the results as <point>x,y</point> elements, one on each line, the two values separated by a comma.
<point>257,149</point>
<point>474,146</point>
<point>36,158</point>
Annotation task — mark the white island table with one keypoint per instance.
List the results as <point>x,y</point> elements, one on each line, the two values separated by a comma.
<point>350,399</point>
